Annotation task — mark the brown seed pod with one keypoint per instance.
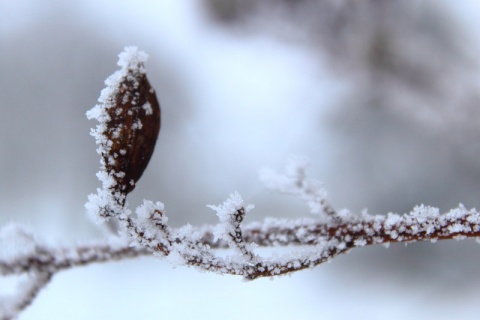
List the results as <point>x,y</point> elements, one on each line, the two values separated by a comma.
<point>133,129</point>
<point>129,116</point>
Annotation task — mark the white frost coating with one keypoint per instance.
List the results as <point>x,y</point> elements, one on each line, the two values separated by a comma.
<point>291,180</point>
<point>360,242</point>
<point>137,125</point>
<point>144,211</point>
<point>131,61</point>
<point>294,181</point>
<point>233,203</point>
<point>392,220</point>
<point>150,226</point>
<point>231,214</point>
<point>176,259</point>
<point>16,240</point>
<point>225,212</point>
<point>132,58</point>
<point>423,213</point>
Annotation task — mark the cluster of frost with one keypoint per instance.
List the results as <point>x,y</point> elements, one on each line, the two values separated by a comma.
<point>150,229</point>
<point>231,214</point>
<point>16,240</point>
<point>294,181</point>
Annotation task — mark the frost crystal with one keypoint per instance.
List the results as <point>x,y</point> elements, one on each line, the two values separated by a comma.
<point>232,204</point>
<point>148,108</point>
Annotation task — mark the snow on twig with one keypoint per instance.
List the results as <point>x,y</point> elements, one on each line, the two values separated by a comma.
<point>231,214</point>
<point>125,148</point>
<point>294,181</point>
<point>423,223</point>
<point>27,290</point>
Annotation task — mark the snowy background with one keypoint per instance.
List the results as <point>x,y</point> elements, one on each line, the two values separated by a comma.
<point>383,97</point>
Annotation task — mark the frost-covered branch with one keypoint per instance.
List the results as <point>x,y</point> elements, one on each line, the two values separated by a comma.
<point>11,306</point>
<point>320,241</point>
<point>315,243</point>
<point>323,237</point>
<point>56,259</point>
<point>326,240</point>
<point>129,116</point>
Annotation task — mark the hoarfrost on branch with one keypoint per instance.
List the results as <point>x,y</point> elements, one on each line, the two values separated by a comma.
<point>316,239</point>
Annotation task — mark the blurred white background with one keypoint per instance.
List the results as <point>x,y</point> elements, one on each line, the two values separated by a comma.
<point>383,96</point>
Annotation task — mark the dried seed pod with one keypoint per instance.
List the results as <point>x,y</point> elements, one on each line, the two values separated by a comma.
<point>133,130</point>
<point>129,116</point>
